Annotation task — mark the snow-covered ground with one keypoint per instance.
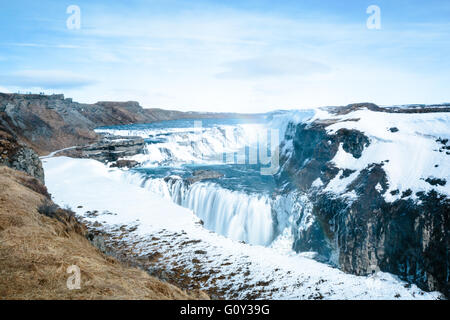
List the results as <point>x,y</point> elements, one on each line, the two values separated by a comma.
<point>242,270</point>
<point>410,146</point>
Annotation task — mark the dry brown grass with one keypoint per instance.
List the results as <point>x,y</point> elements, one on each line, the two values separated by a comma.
<point>35,251</point>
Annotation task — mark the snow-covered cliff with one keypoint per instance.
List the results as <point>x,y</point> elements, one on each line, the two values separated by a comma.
<point>378,180</point>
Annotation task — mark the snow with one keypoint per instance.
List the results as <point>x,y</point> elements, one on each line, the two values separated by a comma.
<point>286,275</point>
<point>52,154</point>
<point>317,183</point>
<point>378,187</point>
<point>93,185</point>
<point>409,156</point>
<point>338,185</point>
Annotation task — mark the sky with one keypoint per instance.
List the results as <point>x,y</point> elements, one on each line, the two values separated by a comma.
<point>229,55</point>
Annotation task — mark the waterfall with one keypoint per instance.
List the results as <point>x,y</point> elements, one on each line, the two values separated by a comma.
<point>236,215</point>
<point>175,146</point>
<point>251,216</point>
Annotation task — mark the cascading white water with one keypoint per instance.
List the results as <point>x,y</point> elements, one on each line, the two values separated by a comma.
<point>177,146</point>
<point>236,215</point>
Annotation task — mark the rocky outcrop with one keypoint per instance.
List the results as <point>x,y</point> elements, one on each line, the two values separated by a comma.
<point>18,156</point>
<point>314,149</point>
<point>199,175</point>
<point>196,176</point>
<point>365,233</point>
<point>125,164</point>
<point>109,149</point>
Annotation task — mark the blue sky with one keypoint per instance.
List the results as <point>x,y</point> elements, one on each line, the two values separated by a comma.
<point>228,55</point>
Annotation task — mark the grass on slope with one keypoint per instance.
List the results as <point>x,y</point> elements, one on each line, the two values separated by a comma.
<point>36,250</point>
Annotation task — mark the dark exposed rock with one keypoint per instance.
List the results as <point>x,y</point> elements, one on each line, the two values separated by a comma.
<point>125,164</point>
<point>45,123</point>
<point>197,175</point>
<point>18,156</point>
<point>200,175</point>
<point>346,173</point>
<point>353,141</point>
<point>28,161</point>
<point>393,129</point>
<point>353,107</point>
<point>311,160</point>
<point>444,147</point>
<point>406,193</point>
<point>436,181</point>
<point>110,149</point>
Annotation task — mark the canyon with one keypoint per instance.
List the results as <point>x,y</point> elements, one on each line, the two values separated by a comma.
<point>338,168</point>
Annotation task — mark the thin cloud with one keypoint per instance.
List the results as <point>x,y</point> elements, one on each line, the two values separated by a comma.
<point>43,45</point>
<point>272,66</point>
<point>46,79</point>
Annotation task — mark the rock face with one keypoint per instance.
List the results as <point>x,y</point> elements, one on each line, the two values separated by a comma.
<point>19,157</point>
<point>110,149</point>
<point>125,164</point>
<point>314,150</point>
<point>406,237</point>
<point>199,175</point>
<point>45,123</point>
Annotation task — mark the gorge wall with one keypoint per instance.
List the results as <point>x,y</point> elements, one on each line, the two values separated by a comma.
<point>357,228</point>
